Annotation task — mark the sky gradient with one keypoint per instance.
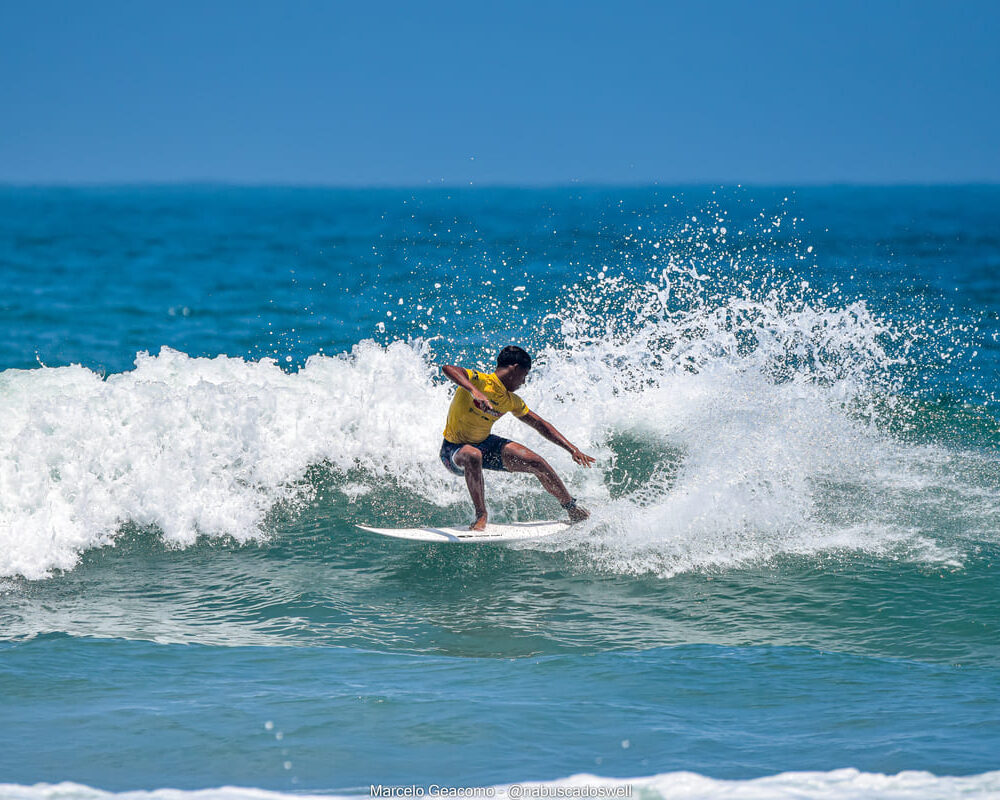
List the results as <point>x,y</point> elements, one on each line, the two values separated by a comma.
<point>503,93</point>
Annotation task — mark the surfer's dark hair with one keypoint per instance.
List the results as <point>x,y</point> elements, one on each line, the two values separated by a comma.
<point>512,354</point>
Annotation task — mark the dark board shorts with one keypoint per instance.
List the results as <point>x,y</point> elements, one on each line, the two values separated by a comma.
<point>490,447</point>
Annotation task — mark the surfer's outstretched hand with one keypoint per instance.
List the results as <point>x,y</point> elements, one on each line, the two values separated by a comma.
<point>481,401</point>
<point>582,458</point>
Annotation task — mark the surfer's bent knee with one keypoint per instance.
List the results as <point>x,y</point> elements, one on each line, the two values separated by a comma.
<point>469,456</point>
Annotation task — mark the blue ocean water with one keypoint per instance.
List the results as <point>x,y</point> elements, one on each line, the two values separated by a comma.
<point>791,565</point>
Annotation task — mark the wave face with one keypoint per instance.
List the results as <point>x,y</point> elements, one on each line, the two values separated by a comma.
<point>791,399</point>
<point>707,457</point>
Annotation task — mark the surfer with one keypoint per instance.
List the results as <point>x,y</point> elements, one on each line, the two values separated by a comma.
<point>469,447</point>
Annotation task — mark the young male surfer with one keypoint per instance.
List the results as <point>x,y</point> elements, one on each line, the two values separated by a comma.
<point>469,447</point>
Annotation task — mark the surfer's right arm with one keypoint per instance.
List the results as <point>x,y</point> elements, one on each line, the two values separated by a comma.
<point>459,376</point>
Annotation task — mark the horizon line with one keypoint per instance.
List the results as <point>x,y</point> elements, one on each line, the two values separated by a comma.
<point>459,186</point>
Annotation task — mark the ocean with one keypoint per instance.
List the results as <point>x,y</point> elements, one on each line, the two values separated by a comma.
<point>788,586</point>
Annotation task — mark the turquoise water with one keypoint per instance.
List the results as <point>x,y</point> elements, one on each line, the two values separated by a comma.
<point>792,560</point>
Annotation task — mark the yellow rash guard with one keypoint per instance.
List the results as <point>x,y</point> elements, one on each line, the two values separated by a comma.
<point>466,423</point>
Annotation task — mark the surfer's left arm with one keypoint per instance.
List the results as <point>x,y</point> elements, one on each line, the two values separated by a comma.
<point>548,430</point>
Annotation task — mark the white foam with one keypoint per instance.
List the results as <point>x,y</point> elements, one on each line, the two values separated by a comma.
<point>198,446</point>
<point>839,784</point>
<point>767,402</point>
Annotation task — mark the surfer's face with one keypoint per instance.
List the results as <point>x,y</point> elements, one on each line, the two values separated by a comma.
<point>517,377</point>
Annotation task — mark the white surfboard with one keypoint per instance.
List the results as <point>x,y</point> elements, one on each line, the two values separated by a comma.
<point>509,532</point>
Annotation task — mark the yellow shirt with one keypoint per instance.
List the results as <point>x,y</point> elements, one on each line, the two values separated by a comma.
<point>466,423</point>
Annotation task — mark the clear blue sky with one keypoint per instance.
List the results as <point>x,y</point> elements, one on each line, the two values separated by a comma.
<point>499,92</point>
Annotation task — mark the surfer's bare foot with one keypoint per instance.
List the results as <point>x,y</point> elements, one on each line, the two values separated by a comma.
<point>576,513</point>
<point>479,524</point>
